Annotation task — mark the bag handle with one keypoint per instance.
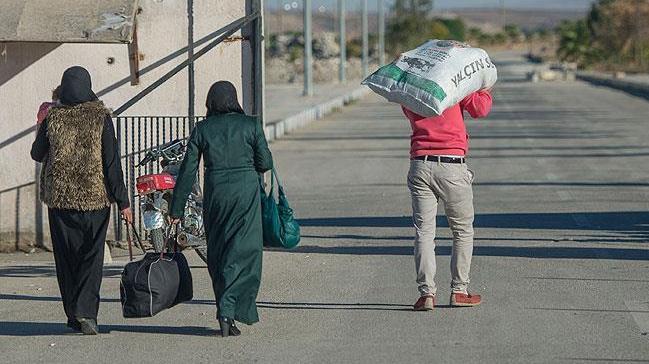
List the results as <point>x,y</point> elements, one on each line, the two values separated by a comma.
<point>262,185</point>
<point>273,177</point>
<point>176,248</point>
<point>137,238</point>
<point>130,243</point>
<point>175,240</point>
<point>280,188</point>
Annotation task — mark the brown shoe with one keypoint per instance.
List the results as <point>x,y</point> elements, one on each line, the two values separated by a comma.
<point>425,303</point>
<point>465,299</point>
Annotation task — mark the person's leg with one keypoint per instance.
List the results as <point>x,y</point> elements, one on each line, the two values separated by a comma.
<point>458,201</point>
<point>424,210</point>
<point>215,254</point>
<point>91,262</point>
<point>62,230</point>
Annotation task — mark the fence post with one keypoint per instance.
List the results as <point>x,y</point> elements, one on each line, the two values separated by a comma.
<point>343,41</point>
<point>117,220</point>
<point>365,60</point>
<point>308,49</point>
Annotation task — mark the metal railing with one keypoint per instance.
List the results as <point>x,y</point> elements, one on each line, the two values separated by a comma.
<point>135,136</point>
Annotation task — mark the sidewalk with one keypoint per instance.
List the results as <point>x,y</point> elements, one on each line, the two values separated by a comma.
<point>287,109</point>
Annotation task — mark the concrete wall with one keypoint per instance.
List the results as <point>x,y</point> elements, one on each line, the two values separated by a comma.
<point>28,73</point>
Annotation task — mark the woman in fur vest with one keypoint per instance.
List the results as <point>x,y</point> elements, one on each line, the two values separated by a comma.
<point>81,178</point>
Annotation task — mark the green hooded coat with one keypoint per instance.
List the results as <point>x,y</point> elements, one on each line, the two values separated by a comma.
<point>234,152</point>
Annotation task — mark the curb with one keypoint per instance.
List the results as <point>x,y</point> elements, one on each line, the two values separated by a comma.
<point>277,129</point>
<point>633,88</point>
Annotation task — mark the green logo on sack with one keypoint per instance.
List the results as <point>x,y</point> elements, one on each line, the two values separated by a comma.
<point>402,77</point>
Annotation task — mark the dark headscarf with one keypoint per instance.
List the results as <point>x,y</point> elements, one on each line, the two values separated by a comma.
<point>222,99</point>
<point>76,87</point>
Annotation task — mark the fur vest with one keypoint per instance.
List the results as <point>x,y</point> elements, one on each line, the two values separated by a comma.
<point>73,173</point>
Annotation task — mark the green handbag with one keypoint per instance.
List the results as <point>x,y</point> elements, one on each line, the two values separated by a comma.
<point>280,228</point>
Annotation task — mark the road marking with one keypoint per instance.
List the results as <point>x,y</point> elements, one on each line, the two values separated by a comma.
<point>640,313</point>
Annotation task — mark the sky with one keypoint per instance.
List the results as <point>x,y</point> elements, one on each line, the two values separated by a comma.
<point>453,4</point>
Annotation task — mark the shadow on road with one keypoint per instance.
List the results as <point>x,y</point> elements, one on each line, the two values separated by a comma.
<point>335,306</point>
<point>607,360</point>
<point>260,304</point>
<point>584,310</point>
<point>489,251</point>
<point>45,270</point>
<point>619,221</point>
<point>573,279</point>
<point>16,328</point>
<point>577,148</point>
<point>594,239</point>
<point>563,184</point>
<point>20,297</point>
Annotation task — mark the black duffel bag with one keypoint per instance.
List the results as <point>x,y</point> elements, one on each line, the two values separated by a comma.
<point>155,283</point>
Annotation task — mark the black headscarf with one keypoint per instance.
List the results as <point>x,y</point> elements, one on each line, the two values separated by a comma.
<point>76,87</point>
<point>222,99</point>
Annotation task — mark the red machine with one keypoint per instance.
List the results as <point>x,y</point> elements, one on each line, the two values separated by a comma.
<point>155,182</point>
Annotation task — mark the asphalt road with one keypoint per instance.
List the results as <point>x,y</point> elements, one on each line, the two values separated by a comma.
<point>561,254</point>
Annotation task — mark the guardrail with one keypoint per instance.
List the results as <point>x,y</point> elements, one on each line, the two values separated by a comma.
<point>635,88</point>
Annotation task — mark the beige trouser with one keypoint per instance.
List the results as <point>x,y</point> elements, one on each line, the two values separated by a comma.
<point>429,182</point>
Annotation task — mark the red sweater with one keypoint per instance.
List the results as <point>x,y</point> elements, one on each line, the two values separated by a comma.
<point>446,134</point>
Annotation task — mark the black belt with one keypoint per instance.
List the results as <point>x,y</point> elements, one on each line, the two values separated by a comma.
<point>440,159</point>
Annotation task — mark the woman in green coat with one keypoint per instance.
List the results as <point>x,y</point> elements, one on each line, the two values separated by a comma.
<point>234,152</point>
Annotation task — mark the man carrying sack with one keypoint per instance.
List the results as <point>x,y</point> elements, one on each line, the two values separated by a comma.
<point>438,171</point>
<point>435,84</point>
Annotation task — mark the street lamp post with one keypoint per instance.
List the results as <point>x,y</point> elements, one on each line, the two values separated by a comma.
<point>381,11</point>
<point>190,68</point>
<point>308,49</point>
<point>343,41</point>
<point>365,60</point>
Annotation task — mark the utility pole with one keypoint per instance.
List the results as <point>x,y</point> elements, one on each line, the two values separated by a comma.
<point>191,112</point>
<point>381,11</point>
<point>343,41</point>
<point>280,17</point>
<point>639,52</point>
<point>308,49</point>
<point>366,41</point>
<point>503,13</point>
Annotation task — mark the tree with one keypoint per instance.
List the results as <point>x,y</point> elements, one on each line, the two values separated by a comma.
<point>619,29</point>
<point>406,34</point>
<point>574,44</point>
<point>456,28</point>
<point>474,33</point>
<point>410,8</point>
<point>500,38</point>
<point>412,25</point>
<point>513,31</point>
<point>544,33</point>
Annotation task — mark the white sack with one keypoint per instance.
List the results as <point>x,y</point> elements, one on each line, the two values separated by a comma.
<point>434,76</point>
